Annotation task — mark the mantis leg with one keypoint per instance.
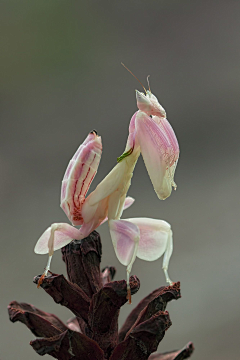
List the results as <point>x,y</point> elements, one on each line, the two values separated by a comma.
<point>167,255</point>
<point>155,240</point>
<point>125,238</point>
<point>55,237</point>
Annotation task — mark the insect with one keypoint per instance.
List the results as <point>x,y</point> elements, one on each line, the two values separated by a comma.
<point>149,134</point>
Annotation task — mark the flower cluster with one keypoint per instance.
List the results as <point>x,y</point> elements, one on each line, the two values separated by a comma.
<point>95,301</point>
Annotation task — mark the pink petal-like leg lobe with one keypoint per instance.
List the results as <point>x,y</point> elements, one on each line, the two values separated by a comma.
<point>125,238</point>
<point>153,237</point>
<point>55,237</point>
<point>79,174</point>
<point>155,241</point>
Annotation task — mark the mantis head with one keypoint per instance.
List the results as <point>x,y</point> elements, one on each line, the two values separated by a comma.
<point>149,104</point>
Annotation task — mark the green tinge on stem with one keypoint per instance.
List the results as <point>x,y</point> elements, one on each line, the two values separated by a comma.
<point>127,153</point>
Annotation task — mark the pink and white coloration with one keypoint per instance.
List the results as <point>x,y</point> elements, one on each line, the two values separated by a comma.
<point>145,238</point>
<point>149,134</point>
<point>158,143</point>
<point>159,146</point>
<point>79,174</point>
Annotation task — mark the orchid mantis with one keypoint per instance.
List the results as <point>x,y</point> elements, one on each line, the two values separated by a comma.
<point>149,134</point>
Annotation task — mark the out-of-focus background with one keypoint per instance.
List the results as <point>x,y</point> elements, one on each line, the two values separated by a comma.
<point>60,77</point>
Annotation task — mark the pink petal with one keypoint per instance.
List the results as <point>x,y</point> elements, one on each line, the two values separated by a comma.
<point>125,237</point>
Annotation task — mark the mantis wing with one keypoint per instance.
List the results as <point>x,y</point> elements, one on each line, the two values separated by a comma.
<point>156,151</point>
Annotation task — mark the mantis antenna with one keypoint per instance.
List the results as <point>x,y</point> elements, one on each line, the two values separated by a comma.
<point>134,76</point>
<point>148,83</point>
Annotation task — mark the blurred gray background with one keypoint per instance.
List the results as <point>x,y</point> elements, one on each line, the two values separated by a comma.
<point>60,77</point>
